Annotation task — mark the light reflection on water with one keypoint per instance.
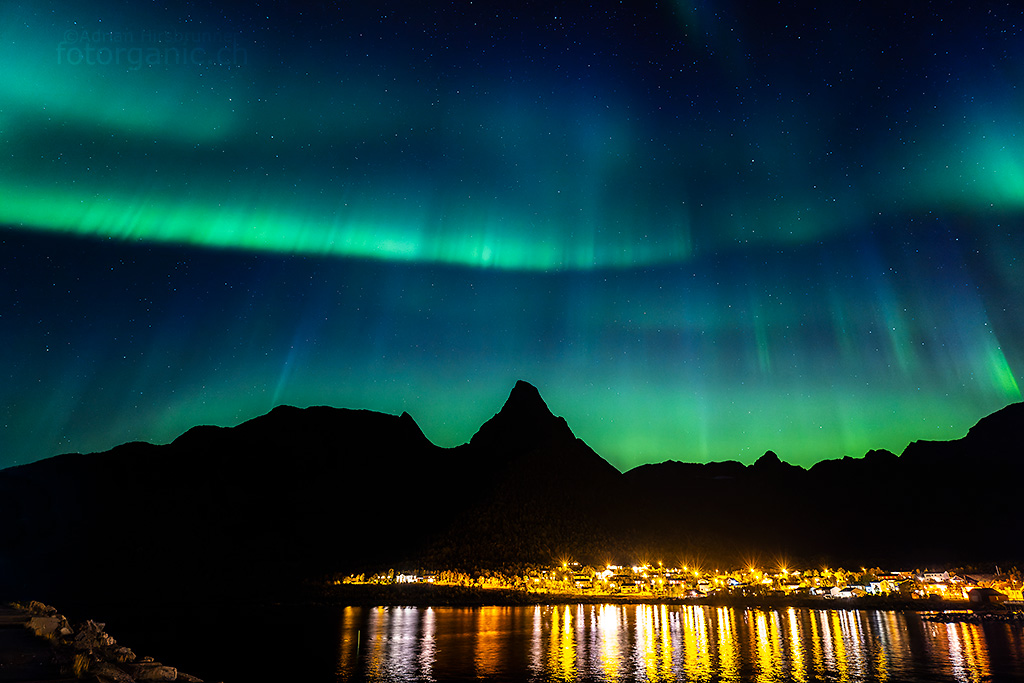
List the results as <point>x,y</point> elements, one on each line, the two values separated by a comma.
<point>668,643</point>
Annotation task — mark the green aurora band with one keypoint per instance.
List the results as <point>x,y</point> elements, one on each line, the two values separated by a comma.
<point>701,241</point>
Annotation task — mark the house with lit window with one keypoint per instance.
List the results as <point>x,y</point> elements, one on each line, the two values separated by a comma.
<point>848,592</point>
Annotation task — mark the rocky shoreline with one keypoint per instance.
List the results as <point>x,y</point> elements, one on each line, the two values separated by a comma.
<point>968,617</point>
<point>85,649</point>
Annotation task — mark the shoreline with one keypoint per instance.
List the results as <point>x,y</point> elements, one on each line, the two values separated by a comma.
<point>419,595</point>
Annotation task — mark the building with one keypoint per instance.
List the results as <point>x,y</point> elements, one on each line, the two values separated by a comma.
<point>985,596</point>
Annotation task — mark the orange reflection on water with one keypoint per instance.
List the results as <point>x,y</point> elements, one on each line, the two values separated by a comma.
<point>854,635</point>
<point>766,645</point>
<point>562,646</point>
<point>874,643</point>
<point>777,642</point>
<point>828,643</point>
<point>835,636</point>
<point>887,636</point>
<point>817,651</point>
<point>657,634</point>
<point>645,657</point>
<point>975,650</point>
<point>696,644</point>
<point>667,645</point>
<point>728,646</point>
<point>536,637</point>
<point>660,643</point>
<point>348,647</point>
<point>967,654</point>
<point>608,626</point>
<point>798,672</point>
<point>375,642</point>
<point>489,644</point>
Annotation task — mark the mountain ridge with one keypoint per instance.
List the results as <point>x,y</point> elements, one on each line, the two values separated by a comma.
<point>300,492</point>
<point>526,394</point>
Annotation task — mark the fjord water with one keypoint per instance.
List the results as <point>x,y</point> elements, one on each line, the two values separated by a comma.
<point>668,643</point>
<point>613,642</point>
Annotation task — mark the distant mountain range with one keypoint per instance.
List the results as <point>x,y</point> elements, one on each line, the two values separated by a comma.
<point>305,492</point>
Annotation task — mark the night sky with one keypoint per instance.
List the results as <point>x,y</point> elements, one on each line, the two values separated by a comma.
<point>702,231</point>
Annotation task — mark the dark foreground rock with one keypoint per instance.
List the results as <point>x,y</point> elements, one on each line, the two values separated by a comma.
<point>86,650</point>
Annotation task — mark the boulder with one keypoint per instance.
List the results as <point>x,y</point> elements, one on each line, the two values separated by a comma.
<point>110,672</point>
<point>120,654</point>
<point>88,649</point>
<point>46,627</point>
<point>90,636</point>
<point>153,671</point>
<point>36,607</point>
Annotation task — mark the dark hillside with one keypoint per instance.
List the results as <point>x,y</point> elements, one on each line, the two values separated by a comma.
<point>301,493</point>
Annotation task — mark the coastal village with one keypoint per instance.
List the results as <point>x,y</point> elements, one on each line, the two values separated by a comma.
<point>690,582</point>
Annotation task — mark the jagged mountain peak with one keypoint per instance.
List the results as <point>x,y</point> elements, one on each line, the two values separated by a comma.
<point>523,420</point>
<point>525,400</point>
<point>770,462</point>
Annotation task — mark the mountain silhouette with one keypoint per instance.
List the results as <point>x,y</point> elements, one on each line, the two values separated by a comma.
<point>523,423</point>
<point>302,493</point>
<point>544,490</point>
<point>939,502</point>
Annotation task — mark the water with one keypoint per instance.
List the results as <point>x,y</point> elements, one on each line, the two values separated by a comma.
<point>591,643</point>
<point>668,643</point>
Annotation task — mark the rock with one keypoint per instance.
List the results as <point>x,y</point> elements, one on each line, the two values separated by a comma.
<point>121,654</point>
<point>45,626</point>
<point>36,607</point>
<point>89,650</point>
<point>154,671</point>
<point>110,672</point>
<point>91,636</point>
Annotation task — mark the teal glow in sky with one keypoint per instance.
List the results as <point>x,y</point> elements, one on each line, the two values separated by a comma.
<point>701,231</point>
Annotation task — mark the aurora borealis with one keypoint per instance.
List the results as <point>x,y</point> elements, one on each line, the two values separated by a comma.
<point>701,230</point>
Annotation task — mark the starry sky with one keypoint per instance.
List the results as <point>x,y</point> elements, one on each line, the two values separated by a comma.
<point>703,229</point>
